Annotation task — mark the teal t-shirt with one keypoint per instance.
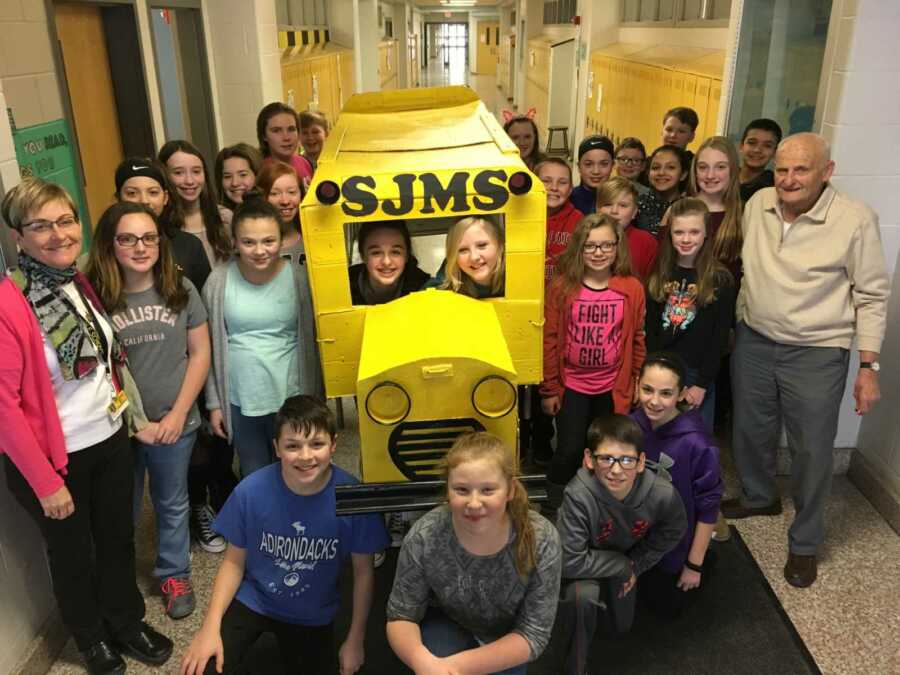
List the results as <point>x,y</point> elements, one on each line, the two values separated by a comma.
<point>261,322</point>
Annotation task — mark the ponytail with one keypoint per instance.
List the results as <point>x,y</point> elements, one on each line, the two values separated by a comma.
<point>520,514</point>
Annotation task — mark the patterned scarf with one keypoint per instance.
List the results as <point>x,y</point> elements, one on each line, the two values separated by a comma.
<point>66,330</point>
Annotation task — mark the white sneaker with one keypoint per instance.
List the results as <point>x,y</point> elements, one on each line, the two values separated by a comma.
<point>202,532</point>
<point>380,557</point>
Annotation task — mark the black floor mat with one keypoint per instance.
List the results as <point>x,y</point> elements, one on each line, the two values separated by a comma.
<point>736,626</point>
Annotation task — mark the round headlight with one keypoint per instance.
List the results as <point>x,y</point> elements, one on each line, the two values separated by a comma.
<point>328,192</point>
<point>388,404</point>
<point>494,397</point>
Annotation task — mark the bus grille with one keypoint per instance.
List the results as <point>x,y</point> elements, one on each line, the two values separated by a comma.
<point>418,447</point>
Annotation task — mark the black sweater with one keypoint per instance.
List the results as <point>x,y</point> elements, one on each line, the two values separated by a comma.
<point>698,334</point>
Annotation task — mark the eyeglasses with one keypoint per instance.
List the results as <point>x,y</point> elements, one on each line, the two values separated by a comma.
<point>150,240</point>
<point>627,462</point>
<point>604,246</point>
<point>629,161</point>
<point>40,227</point>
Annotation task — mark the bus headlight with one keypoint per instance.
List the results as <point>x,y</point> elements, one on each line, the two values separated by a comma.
<point>494,397</point>
<point>388,404</point>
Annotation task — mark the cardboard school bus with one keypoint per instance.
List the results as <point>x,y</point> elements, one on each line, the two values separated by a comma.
<point>429,366</point>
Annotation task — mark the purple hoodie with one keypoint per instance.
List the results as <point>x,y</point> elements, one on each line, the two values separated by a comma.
<point>686,450</point>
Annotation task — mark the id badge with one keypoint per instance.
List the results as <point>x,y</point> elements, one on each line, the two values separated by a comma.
<point>117,406</point>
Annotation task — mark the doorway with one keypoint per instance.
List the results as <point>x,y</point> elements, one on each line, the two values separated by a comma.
<point>488,48</point>
<point>447,53</point>
<point>182,74</point>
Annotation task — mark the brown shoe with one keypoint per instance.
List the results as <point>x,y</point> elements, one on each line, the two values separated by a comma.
<point>734,510</point>
<point>800,570</point>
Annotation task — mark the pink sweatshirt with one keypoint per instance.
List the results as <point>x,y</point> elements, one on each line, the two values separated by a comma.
<point>31,434</point>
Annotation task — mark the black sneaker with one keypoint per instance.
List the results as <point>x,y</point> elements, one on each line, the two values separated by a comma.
<point>202,532</point>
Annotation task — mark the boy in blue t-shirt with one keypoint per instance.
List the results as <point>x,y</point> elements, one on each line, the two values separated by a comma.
<point>286,546</point>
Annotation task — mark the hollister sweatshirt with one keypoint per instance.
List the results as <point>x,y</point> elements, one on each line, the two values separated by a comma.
<point>604,537</point>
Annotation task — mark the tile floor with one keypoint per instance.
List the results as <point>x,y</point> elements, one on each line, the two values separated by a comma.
<point>849,619</point>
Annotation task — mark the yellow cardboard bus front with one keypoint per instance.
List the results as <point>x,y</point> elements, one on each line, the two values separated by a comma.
<point>431,155</point>
<point>434,364</point>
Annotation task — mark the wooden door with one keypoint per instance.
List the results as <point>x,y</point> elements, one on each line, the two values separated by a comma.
<point>86,61</point>
<point>487,52</point>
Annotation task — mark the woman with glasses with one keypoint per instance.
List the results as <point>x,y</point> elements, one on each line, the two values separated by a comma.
<point>680,442</point>
<point>158,316</point>
<point>67,404</point>
<point>593,341</point>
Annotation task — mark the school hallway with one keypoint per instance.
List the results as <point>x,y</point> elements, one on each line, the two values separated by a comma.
<point>849,619</point>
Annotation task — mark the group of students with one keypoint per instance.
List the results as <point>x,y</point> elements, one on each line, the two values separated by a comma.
<point>211,299</point>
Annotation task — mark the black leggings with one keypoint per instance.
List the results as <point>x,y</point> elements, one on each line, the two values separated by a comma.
<point>304,649</point>
<point>572,422</point>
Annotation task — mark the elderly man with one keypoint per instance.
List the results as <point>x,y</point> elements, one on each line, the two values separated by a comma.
<point>814,278</point>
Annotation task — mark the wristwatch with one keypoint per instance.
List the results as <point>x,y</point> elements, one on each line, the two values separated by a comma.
<point>872,365</point>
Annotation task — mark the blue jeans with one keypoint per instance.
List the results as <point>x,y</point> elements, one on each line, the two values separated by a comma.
<point>168,469</point>
<point>444,637</point>
<point>708,407</point>
<point>252,440</point>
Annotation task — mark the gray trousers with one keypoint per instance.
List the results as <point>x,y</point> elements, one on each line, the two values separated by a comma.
<point>803,387</point>
<point>584,601</point>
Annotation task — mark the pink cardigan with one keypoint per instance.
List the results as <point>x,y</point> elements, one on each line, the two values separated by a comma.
<point>31,434</point>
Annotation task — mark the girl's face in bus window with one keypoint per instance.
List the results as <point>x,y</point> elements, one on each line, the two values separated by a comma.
<point>629,163</point>
<point>659,394</point>
<point>595,167</point>
<point>237,178</point>
<point>385,257</point>
<point>713,172</point>
<point>599,249</point>
<point>136,256</point>
<point>478,493</point>
<point>258,243</point>
<point>622,208</point>
<point>665,172</point>
<point>478,254</point>
<point>282,136</point>
<point>145,190</point>
<point>186,174</point>
<point>522,135</point>
<point>688,233</point>
<point>285,196</point>
<point>312,138</point>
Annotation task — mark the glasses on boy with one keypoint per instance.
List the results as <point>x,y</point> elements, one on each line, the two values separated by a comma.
<point>627,462</point>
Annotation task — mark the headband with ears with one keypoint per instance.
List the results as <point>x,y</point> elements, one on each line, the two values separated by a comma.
<point>510,115</point>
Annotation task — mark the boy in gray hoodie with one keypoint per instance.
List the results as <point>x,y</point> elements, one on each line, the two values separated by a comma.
<point>620,515</point>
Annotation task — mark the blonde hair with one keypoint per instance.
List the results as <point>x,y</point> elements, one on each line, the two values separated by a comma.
<point>570,268</point>
<point>729,237</point>
<point>29,196</point>
<point>612,188</point>
<point>457,280</point>
<point>478,445</point>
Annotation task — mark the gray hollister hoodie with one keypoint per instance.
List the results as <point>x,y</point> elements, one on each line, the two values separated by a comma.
<point>604,537</point>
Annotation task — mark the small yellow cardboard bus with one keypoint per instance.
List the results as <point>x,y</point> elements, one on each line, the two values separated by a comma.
<point>434,364</point>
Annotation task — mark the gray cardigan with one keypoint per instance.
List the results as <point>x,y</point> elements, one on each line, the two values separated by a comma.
<point>309,366</point>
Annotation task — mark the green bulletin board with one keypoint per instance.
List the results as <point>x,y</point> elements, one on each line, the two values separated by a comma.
<point>45,151</point>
